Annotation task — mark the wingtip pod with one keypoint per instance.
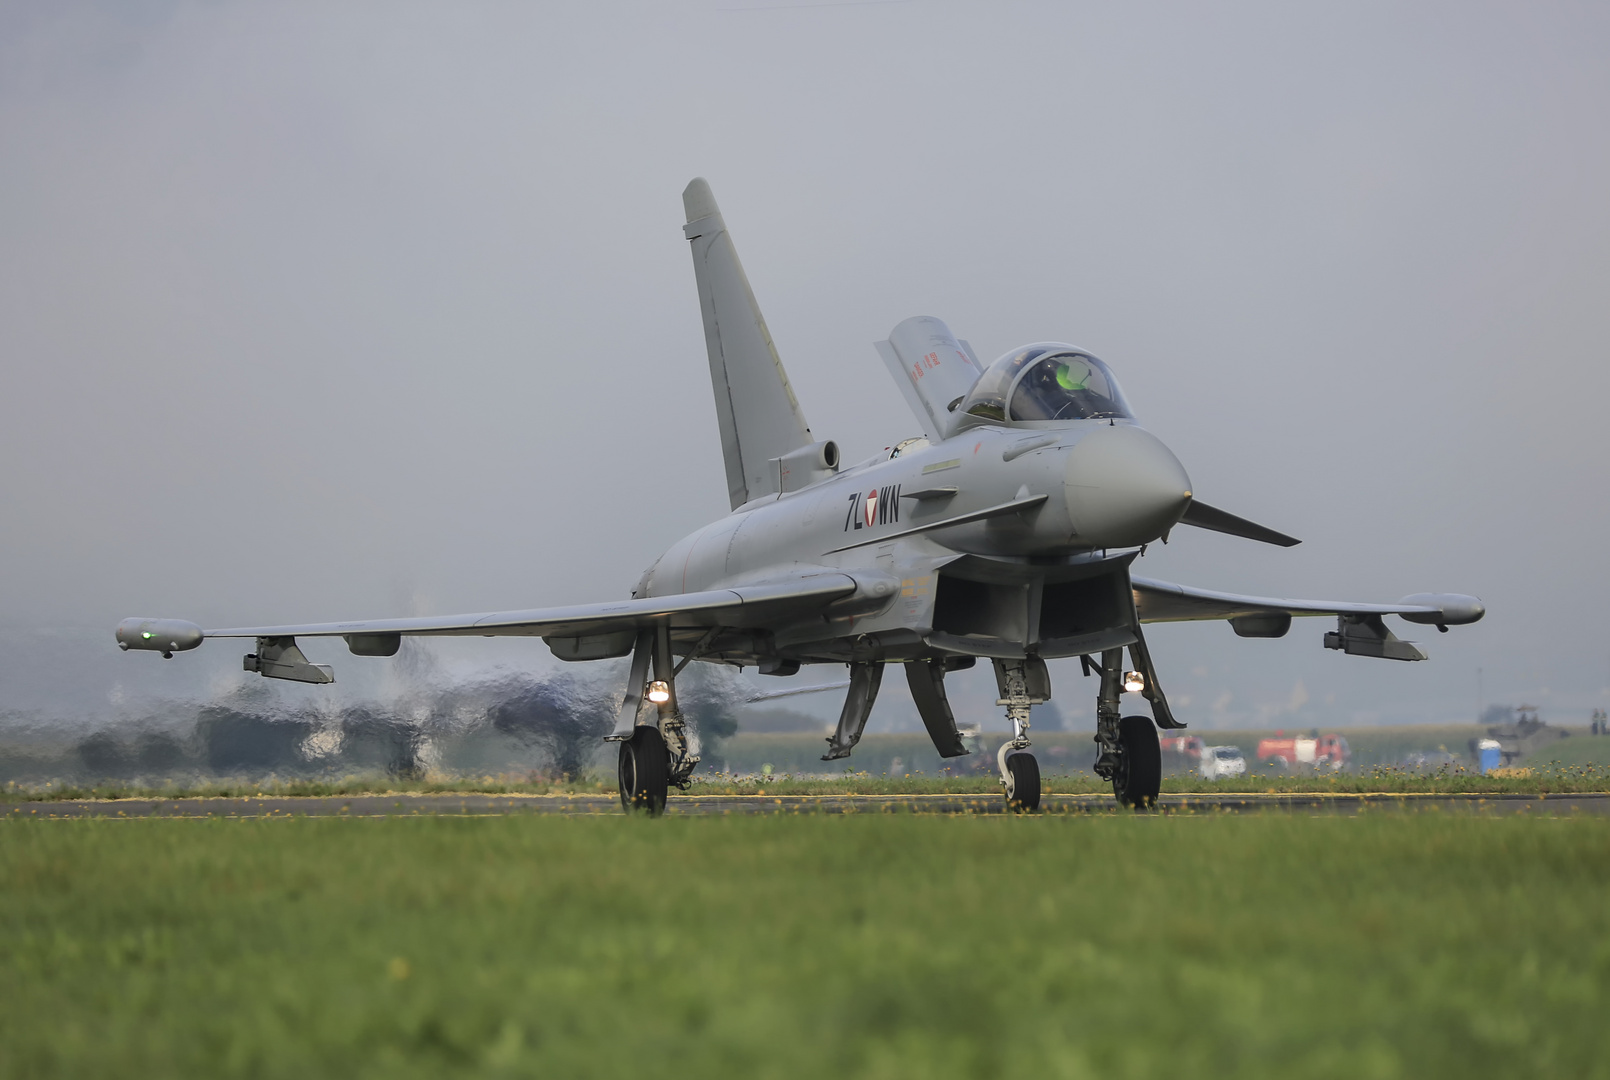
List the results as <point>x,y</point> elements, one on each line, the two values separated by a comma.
<point>1453,609</point>
<point>166,636</point>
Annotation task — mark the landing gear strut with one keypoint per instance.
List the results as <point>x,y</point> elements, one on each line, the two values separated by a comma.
<point>1022,683</point>
<point>673,730</point>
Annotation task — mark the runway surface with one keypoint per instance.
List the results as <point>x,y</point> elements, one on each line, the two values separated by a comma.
<point>409,805</point>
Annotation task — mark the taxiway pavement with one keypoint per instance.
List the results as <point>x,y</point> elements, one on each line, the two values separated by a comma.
<point>474,804</point>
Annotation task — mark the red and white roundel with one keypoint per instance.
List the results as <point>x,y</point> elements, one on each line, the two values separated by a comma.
<point>870,507</point>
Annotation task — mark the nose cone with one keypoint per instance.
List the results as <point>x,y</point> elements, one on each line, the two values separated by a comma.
<point>1125,488</point>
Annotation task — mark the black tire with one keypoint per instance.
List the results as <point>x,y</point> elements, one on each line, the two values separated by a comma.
<point>1024,795</point>
<point>1140,763</point>
<point>644,772</point>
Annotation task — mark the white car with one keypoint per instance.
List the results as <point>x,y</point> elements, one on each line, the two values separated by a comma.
<point>1219,762</point>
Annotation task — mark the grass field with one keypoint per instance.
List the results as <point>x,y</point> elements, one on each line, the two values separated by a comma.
<point>1580,751</point>
<point>907,945</point>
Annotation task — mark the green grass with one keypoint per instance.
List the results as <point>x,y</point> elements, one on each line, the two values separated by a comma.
<point>869,945</point>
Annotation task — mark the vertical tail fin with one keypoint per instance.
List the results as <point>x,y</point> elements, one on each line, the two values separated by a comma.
<point>759,416</point>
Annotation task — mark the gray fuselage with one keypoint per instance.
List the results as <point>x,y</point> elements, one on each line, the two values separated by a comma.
<point>1104,488</point>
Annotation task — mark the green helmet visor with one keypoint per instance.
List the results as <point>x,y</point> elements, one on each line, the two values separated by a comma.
<point>1069,379</point>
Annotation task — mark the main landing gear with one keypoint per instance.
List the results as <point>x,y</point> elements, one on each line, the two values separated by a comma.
<point>652,759</point>
<point>1130,756</point>
<point>655,755</point>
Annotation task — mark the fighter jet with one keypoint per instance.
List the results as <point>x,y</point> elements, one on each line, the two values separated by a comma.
<point>1006,531</point>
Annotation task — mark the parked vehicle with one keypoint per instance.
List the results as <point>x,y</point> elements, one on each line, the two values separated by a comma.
<point>1295,753</point>
<point>1220,762</point>
<point>1187,747</point>
<point>1428,760</point>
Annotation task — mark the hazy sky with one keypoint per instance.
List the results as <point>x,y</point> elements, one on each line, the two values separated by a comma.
<point>349,310</point>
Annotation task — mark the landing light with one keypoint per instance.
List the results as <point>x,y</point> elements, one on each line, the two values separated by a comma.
<point>659,691</point>
<point>1134,682</point>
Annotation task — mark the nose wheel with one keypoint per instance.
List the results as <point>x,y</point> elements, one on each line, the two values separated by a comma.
<point>1021,778</point>
<point>645,772</point>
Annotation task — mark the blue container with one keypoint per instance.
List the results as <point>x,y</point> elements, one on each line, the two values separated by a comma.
<point>1489,756</point>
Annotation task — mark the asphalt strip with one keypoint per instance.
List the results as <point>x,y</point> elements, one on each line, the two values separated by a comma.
<point>484,805</point>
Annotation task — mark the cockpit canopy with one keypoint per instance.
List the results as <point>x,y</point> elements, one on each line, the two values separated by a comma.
<point>1046,381</point>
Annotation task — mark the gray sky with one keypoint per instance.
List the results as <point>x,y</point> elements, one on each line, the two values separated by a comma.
<point>328,311</point>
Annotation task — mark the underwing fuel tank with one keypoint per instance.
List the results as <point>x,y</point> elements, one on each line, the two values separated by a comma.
<point>166,636</point>
<point>1124,487</point>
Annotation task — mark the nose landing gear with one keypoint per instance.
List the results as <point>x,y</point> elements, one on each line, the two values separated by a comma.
<point>1022,683</point>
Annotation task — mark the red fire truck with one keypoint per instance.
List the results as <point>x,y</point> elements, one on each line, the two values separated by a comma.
<point>1188,747</point>
<point>1294,752</point>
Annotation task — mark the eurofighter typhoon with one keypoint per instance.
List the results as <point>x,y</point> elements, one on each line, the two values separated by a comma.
<point>1005,532</point>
